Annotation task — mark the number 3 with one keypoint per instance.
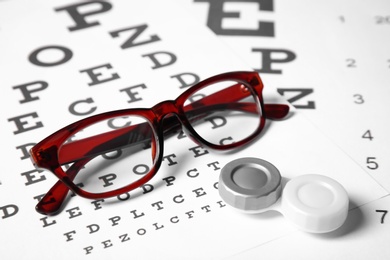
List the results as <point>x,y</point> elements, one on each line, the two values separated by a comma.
<point>358,99</point>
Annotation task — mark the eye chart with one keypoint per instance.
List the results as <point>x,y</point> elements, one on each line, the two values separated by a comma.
<point>64,61</point>
<point>331,60</point>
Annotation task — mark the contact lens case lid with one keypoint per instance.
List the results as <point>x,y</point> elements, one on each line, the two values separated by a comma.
<point>315,203</point>
<point>250,184</point>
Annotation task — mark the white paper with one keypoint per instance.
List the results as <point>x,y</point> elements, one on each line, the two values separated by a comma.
<point>184,220</point>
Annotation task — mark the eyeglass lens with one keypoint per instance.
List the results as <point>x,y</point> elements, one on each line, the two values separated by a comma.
<point>119,151</point>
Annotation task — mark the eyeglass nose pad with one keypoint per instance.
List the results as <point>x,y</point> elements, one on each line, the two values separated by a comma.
<point>172,125</point>
<point>189,135</point>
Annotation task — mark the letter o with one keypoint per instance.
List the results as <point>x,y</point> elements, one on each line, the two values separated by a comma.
<point>141,231</point>
<point>123,197</point>
<point>112,155</point>
<point>140,172</point>
<point>33,57</point>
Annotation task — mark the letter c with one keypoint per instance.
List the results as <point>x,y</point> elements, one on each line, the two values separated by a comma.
<point>72,107</point>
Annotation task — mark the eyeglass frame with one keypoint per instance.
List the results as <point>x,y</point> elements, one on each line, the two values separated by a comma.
<point>45,154</point>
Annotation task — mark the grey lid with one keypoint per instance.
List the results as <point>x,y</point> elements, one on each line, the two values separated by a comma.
<point>250,184</point>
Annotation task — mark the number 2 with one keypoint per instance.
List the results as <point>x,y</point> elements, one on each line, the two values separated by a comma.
<point>351,63</point>
<point>382,19</point>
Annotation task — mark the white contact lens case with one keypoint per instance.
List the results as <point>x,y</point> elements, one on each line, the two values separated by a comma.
<point>314,203</point>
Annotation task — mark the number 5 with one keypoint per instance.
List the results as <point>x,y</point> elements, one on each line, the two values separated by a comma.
<point>371,164</point>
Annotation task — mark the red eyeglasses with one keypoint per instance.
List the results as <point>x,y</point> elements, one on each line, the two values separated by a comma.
<point>115,152</point>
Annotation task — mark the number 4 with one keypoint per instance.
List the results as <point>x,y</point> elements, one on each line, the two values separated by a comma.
<point>368,135</point>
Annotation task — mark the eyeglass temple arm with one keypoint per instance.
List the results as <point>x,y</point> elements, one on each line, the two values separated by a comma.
<point>198,108</point>
<point>140,133</point>
<point>53,200</point>
<point>238,92</point>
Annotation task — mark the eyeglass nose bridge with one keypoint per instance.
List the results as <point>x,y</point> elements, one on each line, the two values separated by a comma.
<point>165,108</point>
<point>169,119</point>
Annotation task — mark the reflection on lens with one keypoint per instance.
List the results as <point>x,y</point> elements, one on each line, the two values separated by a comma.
<point>117,152</point>
<point>224,113</point>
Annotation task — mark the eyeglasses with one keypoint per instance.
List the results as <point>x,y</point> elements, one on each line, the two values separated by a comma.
<point>113,153</point>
